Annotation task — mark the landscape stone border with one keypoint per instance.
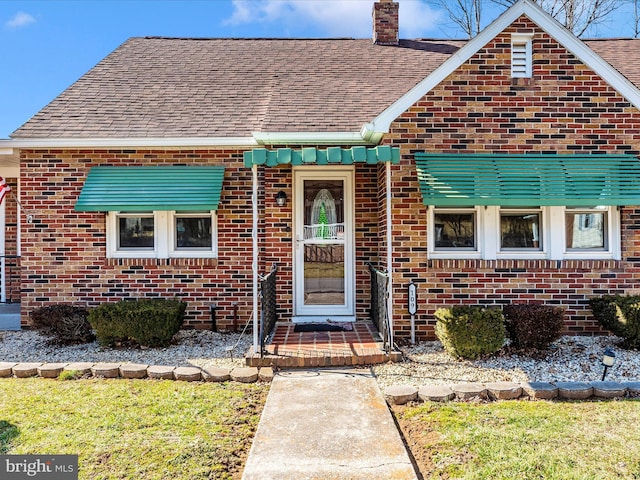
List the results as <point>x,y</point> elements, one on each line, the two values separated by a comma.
<point>137,371</point>
<point>401,394</point>
<point>396,394</point>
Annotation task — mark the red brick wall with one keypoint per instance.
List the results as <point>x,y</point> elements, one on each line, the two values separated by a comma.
<point>64,252</point>
<point>369,233</point>
<point>565,108</point>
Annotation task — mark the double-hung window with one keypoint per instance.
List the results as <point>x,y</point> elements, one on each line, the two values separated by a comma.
<point>161,234</point>
<point>493,232</point>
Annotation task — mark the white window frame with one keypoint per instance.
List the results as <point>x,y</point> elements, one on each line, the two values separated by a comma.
<point>521,45</point>
<point>453,252</point>
<point>525,253</point>
<point>175,252</point>
<point>113,251</point>
<point>164,238</point>
<point>552,236</point>
<point>612,232</point>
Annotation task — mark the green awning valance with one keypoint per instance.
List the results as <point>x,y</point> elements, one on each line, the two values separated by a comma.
<point>527,180</point>
<point>129,189</point>
<point>313,155</point>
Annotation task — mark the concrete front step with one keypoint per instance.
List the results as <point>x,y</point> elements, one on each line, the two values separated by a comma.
<point>10,316</point>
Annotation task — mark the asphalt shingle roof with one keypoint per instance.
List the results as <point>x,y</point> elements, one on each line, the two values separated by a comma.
<point>173,87</point>
<point>169,87</point>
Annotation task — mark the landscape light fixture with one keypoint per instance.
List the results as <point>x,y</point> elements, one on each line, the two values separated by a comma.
<point>281,198</point>
<point>608,359</point>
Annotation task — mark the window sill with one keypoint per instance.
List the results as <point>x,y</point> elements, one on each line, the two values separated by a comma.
<point>525,264</point>
<point>152,262</point>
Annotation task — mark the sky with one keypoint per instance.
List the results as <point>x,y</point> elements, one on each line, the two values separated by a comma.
<point>46,45</point>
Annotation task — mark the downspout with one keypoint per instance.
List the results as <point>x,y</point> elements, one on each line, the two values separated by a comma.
<point>254,264</point>
<point>389,252</point>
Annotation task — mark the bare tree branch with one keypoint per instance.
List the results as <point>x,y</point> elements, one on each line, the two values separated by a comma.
<point>466,14</point>
<point>576,15</point>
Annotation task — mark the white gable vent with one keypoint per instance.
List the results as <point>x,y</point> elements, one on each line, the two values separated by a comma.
<point>521,56</point>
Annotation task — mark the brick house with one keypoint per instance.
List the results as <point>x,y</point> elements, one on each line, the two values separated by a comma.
<point>496,170</point>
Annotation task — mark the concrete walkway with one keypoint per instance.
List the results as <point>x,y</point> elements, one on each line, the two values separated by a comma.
<point>327,424</point>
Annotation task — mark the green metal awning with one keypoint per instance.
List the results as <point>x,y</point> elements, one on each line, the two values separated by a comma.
<point>528,180</point>
<point>312,155</point>
<point>130,189</point>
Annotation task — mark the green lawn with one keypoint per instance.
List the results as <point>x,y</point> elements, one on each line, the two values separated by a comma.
<point>525,439</point>
<point>133,429</point>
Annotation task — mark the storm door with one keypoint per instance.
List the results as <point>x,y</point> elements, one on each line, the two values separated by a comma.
<point>324,257</point>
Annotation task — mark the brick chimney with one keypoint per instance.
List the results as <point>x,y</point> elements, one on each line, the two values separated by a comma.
<point>385,22</point>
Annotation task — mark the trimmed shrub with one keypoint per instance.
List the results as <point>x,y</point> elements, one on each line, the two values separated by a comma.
<point>470,332</point>
<point>66,324</point>
<point>148,322</point>
<point>620,314</point>
<point>533,326</point>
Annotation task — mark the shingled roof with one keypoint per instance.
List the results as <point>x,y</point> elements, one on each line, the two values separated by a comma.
<point>177,87</point>
<point>173,87</point>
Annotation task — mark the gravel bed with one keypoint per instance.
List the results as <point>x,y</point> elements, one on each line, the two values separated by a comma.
<point>569,359</point>
<point>200,348</point>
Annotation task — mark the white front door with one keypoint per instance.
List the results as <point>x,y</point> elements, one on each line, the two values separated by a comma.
<point>324,245</point>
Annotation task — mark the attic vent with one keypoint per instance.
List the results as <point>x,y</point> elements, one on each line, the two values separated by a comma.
<point>521,56</point>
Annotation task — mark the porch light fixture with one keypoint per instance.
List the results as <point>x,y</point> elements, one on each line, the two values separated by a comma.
<point>281,198</point>
<point>608,359</point>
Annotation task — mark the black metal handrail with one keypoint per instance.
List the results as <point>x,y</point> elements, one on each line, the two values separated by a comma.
<point>9,272</point>
<point>268,312</point>
<point>379,295</point>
